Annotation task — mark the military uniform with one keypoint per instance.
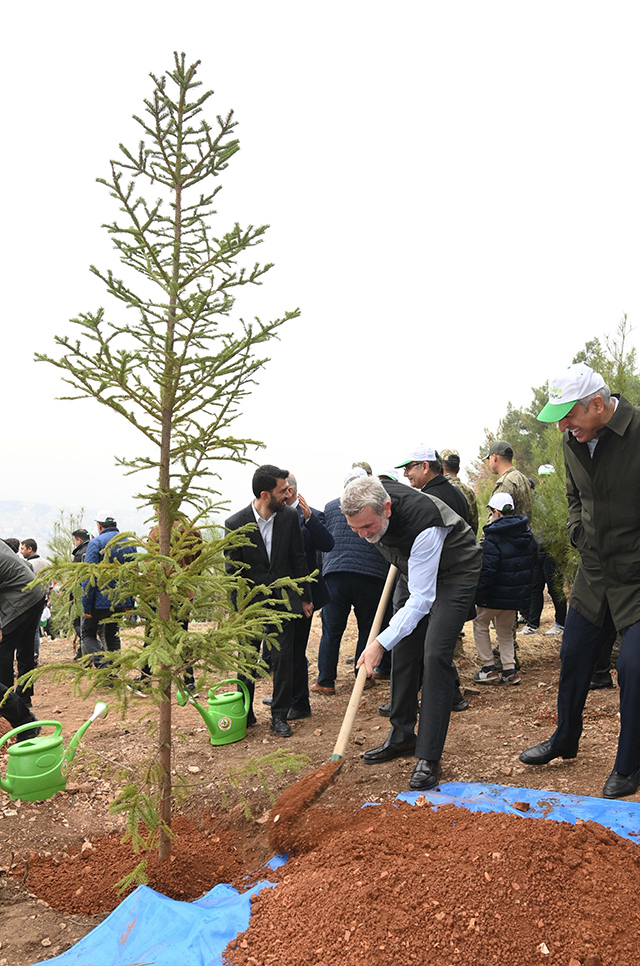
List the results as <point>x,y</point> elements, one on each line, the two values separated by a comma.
<point>515,483</point>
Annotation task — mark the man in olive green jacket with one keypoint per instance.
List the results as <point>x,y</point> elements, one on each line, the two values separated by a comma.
<point>602,459</point>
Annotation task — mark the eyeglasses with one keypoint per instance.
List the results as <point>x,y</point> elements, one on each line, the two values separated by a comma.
<point>410,466</point>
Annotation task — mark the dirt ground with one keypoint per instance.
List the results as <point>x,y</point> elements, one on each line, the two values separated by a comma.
<point>60,858</point>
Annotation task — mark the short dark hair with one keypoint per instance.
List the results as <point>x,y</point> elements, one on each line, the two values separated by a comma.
<point>31,544</point>
<point>266,478</point>
<point>12,542</point>
<point>84,534</point>
<point>452,462</point>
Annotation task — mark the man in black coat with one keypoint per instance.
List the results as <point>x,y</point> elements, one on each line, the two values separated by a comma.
<point>276,550</point>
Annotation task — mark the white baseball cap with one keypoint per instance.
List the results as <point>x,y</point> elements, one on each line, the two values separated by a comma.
<point>501,501</point>
<point>354,473</point>
<point>576,382</point>
<point>546,469</point>
<point>421,454</point>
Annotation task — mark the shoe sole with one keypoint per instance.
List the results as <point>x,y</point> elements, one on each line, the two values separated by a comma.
<point>407,753</point>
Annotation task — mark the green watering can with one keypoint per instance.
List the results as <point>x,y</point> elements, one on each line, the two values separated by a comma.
<point>37,768</point>
<point>226,718</point>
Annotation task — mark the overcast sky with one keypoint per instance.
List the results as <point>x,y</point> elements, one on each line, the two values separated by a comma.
<point>453,196</point>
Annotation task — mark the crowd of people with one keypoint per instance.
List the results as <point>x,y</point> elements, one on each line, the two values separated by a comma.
<point>448,574</point>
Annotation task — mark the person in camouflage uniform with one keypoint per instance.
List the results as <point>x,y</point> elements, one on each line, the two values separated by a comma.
<point>510,480</point>
<point>451,467</point>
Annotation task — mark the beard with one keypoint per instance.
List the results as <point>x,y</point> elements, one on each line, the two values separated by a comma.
<point>380,534</point>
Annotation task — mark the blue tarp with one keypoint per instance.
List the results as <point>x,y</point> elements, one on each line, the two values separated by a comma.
<point>149,928</point>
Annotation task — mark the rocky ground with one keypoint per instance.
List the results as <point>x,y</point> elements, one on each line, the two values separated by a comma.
<point>59,859</point>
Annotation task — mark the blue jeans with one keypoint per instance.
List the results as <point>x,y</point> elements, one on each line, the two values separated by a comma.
<point>91,642</point>
<point>346,590</point>
<point>581,644</point>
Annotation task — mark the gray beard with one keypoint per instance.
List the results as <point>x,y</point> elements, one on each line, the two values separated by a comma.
<point>380,535</point>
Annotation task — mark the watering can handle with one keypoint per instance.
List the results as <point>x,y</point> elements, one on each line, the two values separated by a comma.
<point>245,690</point>
<point>29,726</point>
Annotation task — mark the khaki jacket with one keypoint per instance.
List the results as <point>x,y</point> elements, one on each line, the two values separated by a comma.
<point>516,484</point>
<point>603,492</point>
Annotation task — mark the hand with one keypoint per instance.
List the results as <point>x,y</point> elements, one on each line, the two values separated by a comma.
<point>304,506</point>
<point>87,615</point>
<point>371,656</point>
<point>307,608</point>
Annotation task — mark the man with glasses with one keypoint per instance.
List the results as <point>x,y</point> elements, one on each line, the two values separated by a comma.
<point>601,435</point>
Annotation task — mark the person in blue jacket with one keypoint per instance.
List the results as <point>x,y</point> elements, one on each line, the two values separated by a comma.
<point>508,558</point>
<point>98,604</point>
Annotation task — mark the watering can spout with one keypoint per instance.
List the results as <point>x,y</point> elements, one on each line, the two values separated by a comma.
<point>100,711</point>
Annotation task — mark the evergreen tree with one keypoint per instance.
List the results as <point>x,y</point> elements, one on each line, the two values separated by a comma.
<point>177,368</point>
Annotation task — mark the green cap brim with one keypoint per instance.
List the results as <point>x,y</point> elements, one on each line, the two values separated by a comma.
<point>553,412</point>
<point>398,466</point>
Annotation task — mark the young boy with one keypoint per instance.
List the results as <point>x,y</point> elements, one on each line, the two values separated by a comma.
<point>508,557</point>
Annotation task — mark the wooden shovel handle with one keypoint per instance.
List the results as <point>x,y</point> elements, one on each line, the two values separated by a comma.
<point>354,702</point>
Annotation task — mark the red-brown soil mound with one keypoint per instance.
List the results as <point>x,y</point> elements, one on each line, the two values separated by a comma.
<point>408,884</point>
<point>82,880</point>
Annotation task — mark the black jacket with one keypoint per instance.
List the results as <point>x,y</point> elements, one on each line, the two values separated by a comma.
<point>287,552</point>
<point>508,557</point>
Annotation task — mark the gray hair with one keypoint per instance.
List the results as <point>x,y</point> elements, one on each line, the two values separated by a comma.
<point>293,483</point>
<point>605,393</point>
<point>365,491</point>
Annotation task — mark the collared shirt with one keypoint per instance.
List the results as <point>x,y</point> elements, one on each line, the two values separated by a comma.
<point>592,442</point>
<point>266,529</point>
<point>424,561</point>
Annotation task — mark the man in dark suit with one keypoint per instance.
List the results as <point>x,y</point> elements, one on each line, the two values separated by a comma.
<point>276,550</point>
<point>317,540</point>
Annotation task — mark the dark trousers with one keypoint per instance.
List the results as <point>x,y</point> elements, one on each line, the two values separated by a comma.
<point>346,590</point>
<point>407,672</point>
<point>17,639</point>
<point>300,684</point>
<point>449,612</point>
<point>282,671</point>
<point>582,642</point>
<point>91,643</point>
<point>14,709</point>
<point>546,573</point>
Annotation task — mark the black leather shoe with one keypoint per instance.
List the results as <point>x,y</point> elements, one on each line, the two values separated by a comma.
<point>619,786</point>
<point>268,700</point>
<point>541,754</point>
<point>251,719</point>
<point>385,710</point>
<point>33,733</point>
<point>459,704</point>
<point>425,775</point>
<point>601,680</point>
<point>389,750</point>
<point>280,728</point>
<point>295,713</point>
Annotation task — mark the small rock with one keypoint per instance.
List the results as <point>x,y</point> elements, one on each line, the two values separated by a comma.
<point>506,769</point>
<point>543,948</point>
<point>194,769</point>
<point>46,942</point>
<point>522,806</point>
<point>318,732</point>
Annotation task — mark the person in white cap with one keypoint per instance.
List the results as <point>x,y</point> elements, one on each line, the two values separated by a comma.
<point>602,459</point>
<point>504,587</point>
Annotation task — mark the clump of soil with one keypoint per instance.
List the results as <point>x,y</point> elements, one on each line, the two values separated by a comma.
<point>82,879</point>
<point>409,884</point>
<point>288,815</point>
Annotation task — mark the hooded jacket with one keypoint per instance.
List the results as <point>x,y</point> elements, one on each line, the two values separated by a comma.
<point>508,557</point>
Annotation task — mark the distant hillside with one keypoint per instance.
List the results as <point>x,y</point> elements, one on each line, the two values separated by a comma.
<point>36,520</point>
